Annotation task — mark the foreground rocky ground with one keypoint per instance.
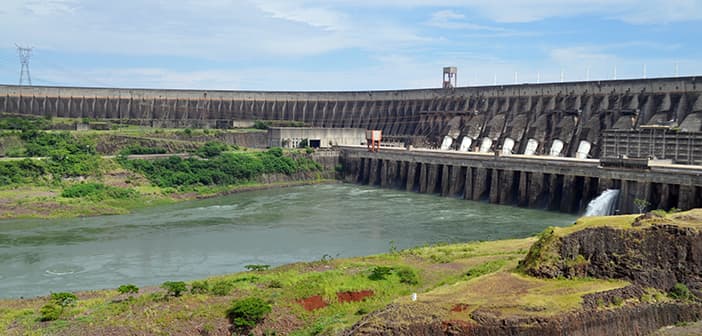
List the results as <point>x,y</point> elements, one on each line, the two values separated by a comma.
<point>625,275</point>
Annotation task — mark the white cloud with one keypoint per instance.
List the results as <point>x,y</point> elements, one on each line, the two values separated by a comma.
<point>448,19</point>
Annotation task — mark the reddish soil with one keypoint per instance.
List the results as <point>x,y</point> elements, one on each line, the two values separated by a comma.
<point>461,307</point>
<point>354,296</point>
<point>312,303</point>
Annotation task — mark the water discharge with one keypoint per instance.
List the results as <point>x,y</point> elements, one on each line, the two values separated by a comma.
<point>192,240</point>
<point>603,205</point>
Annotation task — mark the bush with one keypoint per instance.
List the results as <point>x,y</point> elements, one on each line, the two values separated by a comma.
<point>128,289</point>
<point>141,150</point>
<point>380,273</point>
<point>211,149</point>
<point>174,288</point>
<point>617,301</point>
<point>680,292</point>
<point>50,312</point>
<point>224,169</point>
<point>257,267</point>
<point>262,125</point>
<point>199,287</point>
<point>63,299</point>
<point>407,275</point>
<point>246,313</point>
<point>97,191</point>
<point>221,288</point>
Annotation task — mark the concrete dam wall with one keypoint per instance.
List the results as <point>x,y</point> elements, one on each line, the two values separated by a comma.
<point>561,184</point>
<point>533,117</point>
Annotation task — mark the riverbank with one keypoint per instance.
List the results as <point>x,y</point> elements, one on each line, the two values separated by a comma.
<point>461,289</point>
<point>45,202</point>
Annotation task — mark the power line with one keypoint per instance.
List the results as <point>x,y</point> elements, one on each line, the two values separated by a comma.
<point>24,55</point>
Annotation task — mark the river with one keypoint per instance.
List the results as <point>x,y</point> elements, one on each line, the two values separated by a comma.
<point>196,239</point>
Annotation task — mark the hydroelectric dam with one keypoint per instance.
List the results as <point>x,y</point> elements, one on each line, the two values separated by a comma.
<point>555,145</point>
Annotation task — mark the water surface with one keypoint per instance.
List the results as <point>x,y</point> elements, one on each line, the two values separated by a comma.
<point>196,239</point>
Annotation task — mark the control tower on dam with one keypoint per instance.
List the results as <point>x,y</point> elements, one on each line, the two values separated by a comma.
<point>648,118</point>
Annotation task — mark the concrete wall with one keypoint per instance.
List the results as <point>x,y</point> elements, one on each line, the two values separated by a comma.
<point>290,137</point>
<point>566,185</point>
<point>662,144</point>
<point>567,112</point>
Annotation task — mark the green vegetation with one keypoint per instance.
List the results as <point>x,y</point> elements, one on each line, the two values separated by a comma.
<point>379,273</point>
<point>50,312</point>
<point>24,123</point>
<point>248,312</point>
<point>199,287</point>
<point>63,299</point>
<point>211,149</point>
<point>225,169</point>
<point>141,150</point>
<point>257,267</point>
<point>98,191</point>
<point>128,289</point>
<point>681,292</point>
<point>485,268</point>
<point>174,288</point>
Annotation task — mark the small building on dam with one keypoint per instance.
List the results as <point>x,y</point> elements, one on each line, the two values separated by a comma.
<point>553,145</point>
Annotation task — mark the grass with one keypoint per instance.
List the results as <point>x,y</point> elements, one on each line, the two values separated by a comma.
<point>493,284</point>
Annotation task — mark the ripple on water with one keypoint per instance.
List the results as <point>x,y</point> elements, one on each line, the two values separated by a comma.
<point>64,269</point>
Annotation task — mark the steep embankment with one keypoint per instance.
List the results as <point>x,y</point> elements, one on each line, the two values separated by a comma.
<point>652,250</point>
<point>560,294</point>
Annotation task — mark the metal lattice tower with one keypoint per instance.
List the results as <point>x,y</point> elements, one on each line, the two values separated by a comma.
<point>24,54</point>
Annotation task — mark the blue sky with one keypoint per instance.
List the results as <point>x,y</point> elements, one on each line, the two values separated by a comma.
<point>346,44</point>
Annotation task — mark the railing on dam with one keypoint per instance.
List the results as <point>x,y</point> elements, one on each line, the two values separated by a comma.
<point>564,184</point>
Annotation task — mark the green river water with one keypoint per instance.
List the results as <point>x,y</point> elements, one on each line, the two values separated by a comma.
<point>196,239</point>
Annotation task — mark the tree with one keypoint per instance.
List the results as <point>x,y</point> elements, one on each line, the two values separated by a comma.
<point>641,204</point>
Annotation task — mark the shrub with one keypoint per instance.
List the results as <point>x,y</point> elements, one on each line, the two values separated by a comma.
<point>63,299</point>
<point>257,267</point>
<point>97,191</point>
<point>199,287</point>
<point>680,292</point>
<point>221,288</point>
<point>141,150</point>
<point>262,125</point>
<point>407,275</point>
<point>246,313</point>
<point>379,273</point>
<point>188,131</point>
<point>275,283</point>
<point>128,289</point>
<point>211,149</point>
<point>174,288</point>
<point>617,301</point>
<point>50,312</point>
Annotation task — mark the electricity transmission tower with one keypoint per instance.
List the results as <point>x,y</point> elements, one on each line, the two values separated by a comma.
<point>24,54</point>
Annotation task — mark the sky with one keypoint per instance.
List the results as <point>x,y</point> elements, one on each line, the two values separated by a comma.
<point>337,45</point>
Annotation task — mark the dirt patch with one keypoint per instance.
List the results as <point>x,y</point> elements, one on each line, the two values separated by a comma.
<point>312,303</point>
<point>354,296</point>
<point>461,307</point>
<point>281,319</point>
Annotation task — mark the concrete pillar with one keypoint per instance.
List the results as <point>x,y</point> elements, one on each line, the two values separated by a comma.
<point>568,194</point>
<point>686,197</point>
<point>468,184</point>
<point>411,176</point>
<point>536,189</point>
<point>384,182</point>
<point>366,171</point>
<point>445,181</point>
<point>506,187</point>
<point>664,202</point>
<point>523,191</point>
<point>626,198</point>
<point>432,178</point>
<point>373,174</point>
<point>480,183</point>
<point>391,174</point>
<point>455,181</point>
<point>402,174</point>
<point>423,178</point>
<point>555,184</point>
<point>495,186</point>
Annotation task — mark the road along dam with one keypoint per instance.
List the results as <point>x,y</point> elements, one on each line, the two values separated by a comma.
<point>557,145</point>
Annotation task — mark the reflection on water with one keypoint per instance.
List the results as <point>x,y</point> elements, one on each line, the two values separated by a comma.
<point>196,239</point>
